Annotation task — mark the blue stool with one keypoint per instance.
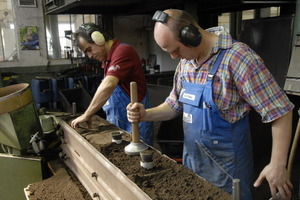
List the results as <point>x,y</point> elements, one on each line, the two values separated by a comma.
<point>70,82</point>
<point>56,85</point>
<point>41,92</point>
<point>76,82</point>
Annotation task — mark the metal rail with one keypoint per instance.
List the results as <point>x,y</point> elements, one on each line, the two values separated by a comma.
<point>97,174</point>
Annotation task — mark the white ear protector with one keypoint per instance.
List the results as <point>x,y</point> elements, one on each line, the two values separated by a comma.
<point>98,38</point>
<point>93,32</point>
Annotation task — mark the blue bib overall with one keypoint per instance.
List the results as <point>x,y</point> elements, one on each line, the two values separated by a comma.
<point>116,113</point>
<point>215,149</point>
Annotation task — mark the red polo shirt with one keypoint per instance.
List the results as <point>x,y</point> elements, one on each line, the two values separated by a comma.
<point>124,63</point>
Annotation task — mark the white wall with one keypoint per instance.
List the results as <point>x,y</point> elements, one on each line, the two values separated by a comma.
<point>135,30</point>
<point>9,36</point>
<point>132,30</point>
<point>162,58</point>
<point>138,32</point>
<point>28,16</point>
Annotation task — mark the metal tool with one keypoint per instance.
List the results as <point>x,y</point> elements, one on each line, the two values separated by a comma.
<point>116,137</point>
<point>278,196</point>
<point>74,109</point>
<point>147,159</point>
<point>135,146</point>
<point>236,191</point>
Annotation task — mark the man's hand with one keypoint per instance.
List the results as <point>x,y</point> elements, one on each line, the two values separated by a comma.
<point>277,178</point>
<point>82,118</point>
<point>135,112</point>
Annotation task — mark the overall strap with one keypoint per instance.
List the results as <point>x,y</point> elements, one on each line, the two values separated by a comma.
<point>217,62</point>
<point>216,65</point>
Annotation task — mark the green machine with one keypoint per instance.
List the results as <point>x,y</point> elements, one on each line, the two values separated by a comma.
<point>17,172</point>
<point>19,122</point>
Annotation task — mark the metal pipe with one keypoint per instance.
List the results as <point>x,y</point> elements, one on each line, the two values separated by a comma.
<point>236,195</point>
<point>294,147</point>
<point>74,108</point>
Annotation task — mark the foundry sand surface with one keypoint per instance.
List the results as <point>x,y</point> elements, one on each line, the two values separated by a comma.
<point>166,181</point>
<point>62,186</point>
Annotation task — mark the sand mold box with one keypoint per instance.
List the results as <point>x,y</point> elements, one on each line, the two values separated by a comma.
<point>167,180</point>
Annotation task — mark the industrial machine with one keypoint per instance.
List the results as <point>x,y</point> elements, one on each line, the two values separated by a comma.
<point>292,81</point>
<point>18,118</point>
<point>19,129</point>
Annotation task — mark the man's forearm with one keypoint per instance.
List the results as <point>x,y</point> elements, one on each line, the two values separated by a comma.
<point>163,112</point>
<point>104,91</point>
<point>281,133</point>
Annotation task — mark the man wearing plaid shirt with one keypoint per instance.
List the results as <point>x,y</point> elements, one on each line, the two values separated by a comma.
<point>216,83</point>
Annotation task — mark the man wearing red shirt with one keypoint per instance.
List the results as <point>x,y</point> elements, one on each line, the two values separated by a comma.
<point>121,65</point>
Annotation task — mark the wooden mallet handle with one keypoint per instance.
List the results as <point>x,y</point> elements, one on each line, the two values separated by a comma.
<point>135,125</point>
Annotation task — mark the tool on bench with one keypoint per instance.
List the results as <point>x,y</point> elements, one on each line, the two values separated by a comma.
<point>236,190</point>
<point>135,146</point>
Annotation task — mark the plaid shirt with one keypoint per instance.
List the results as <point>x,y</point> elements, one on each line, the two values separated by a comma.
<point>242,81</point>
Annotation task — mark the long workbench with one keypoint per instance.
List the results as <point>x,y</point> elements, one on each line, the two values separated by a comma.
<point>107,172</point>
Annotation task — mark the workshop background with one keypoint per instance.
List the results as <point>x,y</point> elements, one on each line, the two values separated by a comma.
<point>37,58</point>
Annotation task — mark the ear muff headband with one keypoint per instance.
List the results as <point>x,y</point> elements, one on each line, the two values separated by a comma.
<point>94,34</point>
<point>189,35</point>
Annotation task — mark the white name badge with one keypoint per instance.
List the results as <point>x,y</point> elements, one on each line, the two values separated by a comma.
<point>188,96</point>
